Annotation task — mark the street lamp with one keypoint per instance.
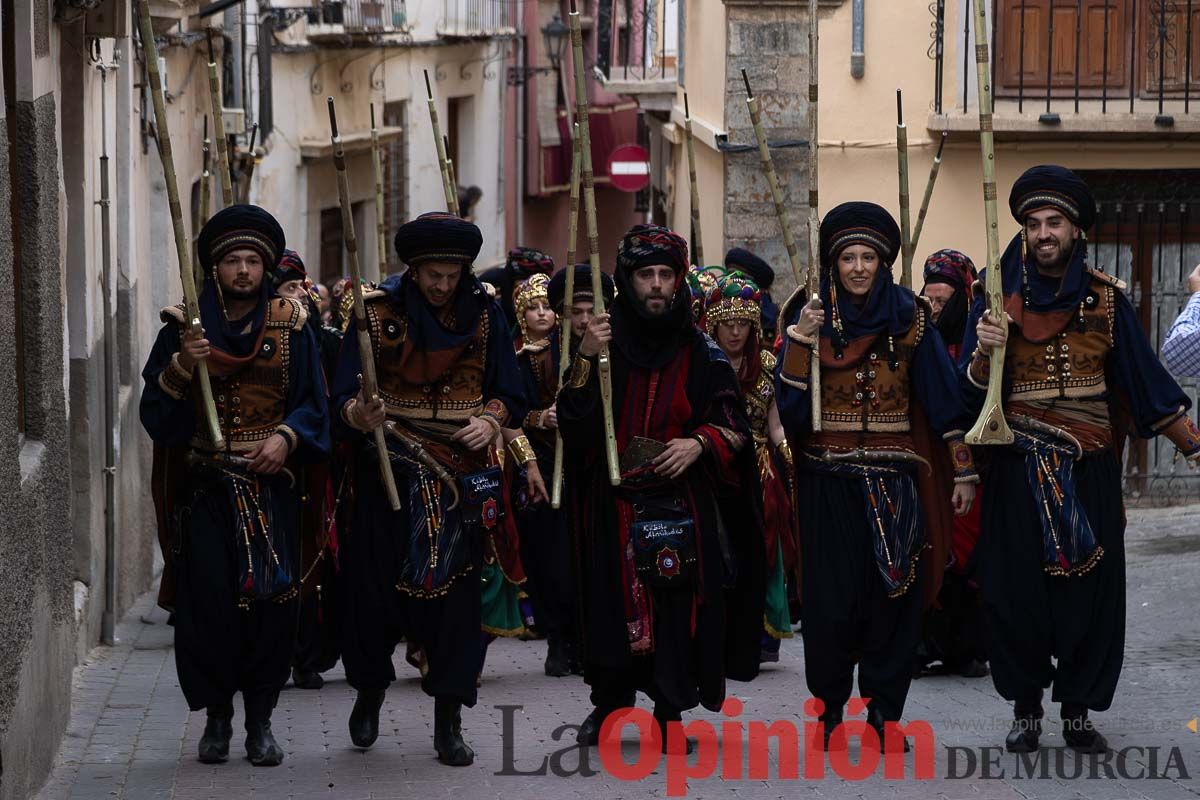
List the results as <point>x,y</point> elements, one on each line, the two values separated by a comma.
<point>555,35</point>
<point>554,39</point>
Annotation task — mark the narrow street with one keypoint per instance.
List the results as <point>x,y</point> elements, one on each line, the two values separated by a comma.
<point>131,735</point>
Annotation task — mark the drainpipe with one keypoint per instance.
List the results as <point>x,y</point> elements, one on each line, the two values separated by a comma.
<point>521,111</point>
<point>108,619</point>
<point>858,56</point>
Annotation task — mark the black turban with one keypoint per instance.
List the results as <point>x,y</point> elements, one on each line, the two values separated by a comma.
<point>289,268</point>
<point>240,227</point>
<point>754,267</point>
<point>648,245</point>
<point>859,223</point>
<point>438,236</point>
<point>582,288</point>
<point>1052,186</point>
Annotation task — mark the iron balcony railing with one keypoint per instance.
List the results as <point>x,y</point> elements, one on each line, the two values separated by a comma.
<point>640,51</point>
<point>472,19</point>
<point>1080,56</point>
<point>358,16</point>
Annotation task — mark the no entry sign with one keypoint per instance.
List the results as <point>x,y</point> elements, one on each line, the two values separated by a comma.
<point>629,168</point>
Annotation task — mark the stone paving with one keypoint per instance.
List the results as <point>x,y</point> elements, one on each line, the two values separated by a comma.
<point>131,736</point>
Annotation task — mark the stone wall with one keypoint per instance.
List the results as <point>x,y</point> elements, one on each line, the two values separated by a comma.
<point>36,560</point>
<point>770,41</point>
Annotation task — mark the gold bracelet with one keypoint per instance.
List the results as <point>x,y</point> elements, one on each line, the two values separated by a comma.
<point>522,450</point>
<point>785,450</point>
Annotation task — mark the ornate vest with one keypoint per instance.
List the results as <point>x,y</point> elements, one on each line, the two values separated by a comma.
<point>454,396</point>
<point>758,398</point>
<point>252,401</point>
<point>1049,361</point>
<point>860,391</point>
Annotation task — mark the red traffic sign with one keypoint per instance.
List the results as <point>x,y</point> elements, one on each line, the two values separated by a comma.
<point>629,168</point>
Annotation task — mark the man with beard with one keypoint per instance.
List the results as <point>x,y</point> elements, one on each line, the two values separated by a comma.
<point>1078,374</point>
<point>447,383</point>
<point>671,561</point>
<point>316,635</point>
<point>522,264</point>
<point>545,538</point>
<point>232,516</point>
<point>952,631</point>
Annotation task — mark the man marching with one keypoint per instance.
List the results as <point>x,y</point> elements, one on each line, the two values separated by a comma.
<point>671,561</point>
<point>234,515</point>
<point>1079,374</point>
<point>448,381</point>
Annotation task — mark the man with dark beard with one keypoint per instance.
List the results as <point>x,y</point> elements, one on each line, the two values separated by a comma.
<point>1079,374</point>
<point>447,383</point>
<point>671,561</point>
<point>232,516</point>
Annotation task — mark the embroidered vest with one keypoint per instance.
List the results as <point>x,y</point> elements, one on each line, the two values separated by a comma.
<point>252,402</point>
<point>758,399</point>
<point>456,394</point>
<point>860,391</point>
<point>1067,364</point>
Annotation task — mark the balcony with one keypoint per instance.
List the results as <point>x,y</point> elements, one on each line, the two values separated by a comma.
<point>1098,69</point>
<point>337,19</point>
<point>642,62</point>
<point>477,19</point>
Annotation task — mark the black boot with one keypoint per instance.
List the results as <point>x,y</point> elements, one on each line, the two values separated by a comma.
<point>214,744</point>
<point>364,718</point>
<point>261,747</point>
<point>447,733</point>
<point>1079,732</point>
<point>557,661</point>
<point>834,739</point>
<point>664,715</point>
<point>589,731</point>
<point>1026,726</point>
<point>875,720</point>
<point>306,678</point>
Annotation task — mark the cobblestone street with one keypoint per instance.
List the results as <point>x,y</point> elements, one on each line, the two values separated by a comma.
<point>131,736</point>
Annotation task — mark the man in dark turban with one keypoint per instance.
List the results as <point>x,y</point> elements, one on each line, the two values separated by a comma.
<point>230,514</point>
<point>447,383</point>
<point>671,561</point>
<point>1079,375</point>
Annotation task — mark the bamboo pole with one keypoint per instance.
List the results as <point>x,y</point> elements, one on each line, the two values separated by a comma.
<point>814,216</point>
<point>451,174</point>
<point>380,222</point>
<point>214,96</point>
<point>205,189</point>
<point>370,387</point>
<point>991,427</point>
<point>447,187</point>
<point>564,350</point>
<point>587,177</point>
<point>250,165</point>
<point>933,176</point>
<point>768,167</point>
<point>182,246</point>
<point>205,176</point>
<point>695,186</point>
<point>906,245</point>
